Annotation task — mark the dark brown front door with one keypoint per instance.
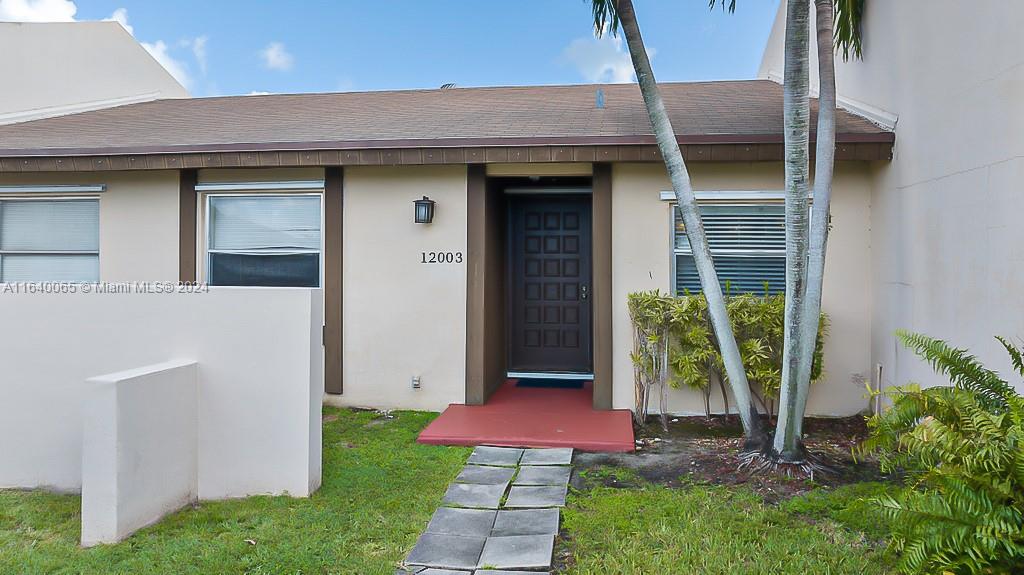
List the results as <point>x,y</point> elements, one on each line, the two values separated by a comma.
<point>549,288</point>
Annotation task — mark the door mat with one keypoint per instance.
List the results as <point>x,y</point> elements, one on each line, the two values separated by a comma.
<point>551,383</point>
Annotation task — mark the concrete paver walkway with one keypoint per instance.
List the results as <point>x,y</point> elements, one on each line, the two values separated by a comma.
<point>500,516</point>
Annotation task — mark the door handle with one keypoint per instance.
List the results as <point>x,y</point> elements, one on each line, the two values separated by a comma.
<point>584,292</point>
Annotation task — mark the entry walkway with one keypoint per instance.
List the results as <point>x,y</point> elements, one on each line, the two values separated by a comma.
<point>500,517</point>
<point>534,417</point>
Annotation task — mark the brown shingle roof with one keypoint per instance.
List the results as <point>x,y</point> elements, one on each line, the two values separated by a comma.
<point>702,112</point>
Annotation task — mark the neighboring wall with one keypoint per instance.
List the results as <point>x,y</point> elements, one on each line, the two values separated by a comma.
<point>259,377</point>
<point>403,318</point>
<point>52,69</point>
<point>138,220</point>
<point>948,244</point>
<point>641,260</point>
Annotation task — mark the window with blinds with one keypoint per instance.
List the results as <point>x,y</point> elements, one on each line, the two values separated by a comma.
<point>49,240</point>
<point>263,240</point>
<point>748,244</point>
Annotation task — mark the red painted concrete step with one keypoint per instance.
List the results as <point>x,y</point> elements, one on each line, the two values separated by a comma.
<point>533,417</point>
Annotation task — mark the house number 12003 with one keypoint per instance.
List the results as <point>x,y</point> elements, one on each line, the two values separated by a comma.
<point>441,257</point>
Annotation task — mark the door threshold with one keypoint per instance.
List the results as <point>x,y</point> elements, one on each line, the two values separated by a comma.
<point>549,375</point>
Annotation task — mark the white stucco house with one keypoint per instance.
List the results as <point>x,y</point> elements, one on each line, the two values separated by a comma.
<point>542,209</point>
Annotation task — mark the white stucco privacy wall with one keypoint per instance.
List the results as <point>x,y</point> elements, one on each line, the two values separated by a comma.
<point>260,378</point>
<point>947,240</point>
<point>402,317</point>
<point>140,447</point>
<point>641,260</point>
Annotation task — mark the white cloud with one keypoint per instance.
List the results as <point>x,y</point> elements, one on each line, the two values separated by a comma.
<point>37,10</point>
<point>199,51</point>
<point>603,59</point>
<point>258,93</point>
<point>276,57</point>
<point>121,17</point>
<point>177,68</point>
<point>158,50</point>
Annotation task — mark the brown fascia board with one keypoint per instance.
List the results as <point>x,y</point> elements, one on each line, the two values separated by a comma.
<point>696,139</point>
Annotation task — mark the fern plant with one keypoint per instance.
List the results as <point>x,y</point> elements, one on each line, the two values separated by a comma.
<point>962,447</point>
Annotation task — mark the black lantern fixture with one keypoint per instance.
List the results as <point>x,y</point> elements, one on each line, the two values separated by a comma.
<point>424,210</point>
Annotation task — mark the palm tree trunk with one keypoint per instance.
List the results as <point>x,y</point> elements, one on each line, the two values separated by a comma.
<point>824,162</point>
<point>687,203</point>
<point>796,117</point>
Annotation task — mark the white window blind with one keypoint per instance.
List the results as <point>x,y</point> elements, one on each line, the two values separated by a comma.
<point>264,240</point>
<point>748,244</point>
<point>49,240</point>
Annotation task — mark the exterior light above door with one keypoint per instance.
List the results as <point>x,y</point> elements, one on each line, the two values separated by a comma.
<point>424,210</point>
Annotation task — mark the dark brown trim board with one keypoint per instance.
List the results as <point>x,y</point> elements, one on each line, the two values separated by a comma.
<point>334,205</point>
<point>187,222</point>
<point>485,287</point>
<point>105,160</point>
<point>601,215</point>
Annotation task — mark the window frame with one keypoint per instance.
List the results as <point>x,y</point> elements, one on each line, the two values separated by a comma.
<point>91,197</point>
<point>734,199</point>
<point>253,192</point>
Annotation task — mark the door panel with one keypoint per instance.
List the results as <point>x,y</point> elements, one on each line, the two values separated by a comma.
<point>549,288</point>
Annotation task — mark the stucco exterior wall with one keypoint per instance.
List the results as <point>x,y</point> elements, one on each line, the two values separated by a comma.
<point>403,318</point>
<point>948,256</point>
<point>641,260</point>
<point>138,220</point>
<point>57,68</point>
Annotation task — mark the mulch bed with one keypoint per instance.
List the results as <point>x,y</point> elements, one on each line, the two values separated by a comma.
<point>699,450</point>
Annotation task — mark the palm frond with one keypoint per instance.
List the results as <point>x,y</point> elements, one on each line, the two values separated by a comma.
<point>849,17</point>
<point>963,369</point>
<point>606,19</point>
<point>1016,355</point>
<point>963,452</point>
<point>729,5</point>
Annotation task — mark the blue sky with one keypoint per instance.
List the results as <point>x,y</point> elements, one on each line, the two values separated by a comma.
<point>238,47</point>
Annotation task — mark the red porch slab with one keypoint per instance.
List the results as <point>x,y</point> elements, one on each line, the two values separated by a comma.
<point>533,417</point>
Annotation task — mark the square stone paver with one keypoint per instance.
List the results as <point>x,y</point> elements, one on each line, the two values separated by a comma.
<point>470,495</point>
<point>525,522</point>
<point>518,552</point>
<point>543,475</point>
<point>554,456</point>
<point>504,456</point>
<point>468,522</point>
<point>485,475</point>
<point>446,551</point>
<point>432,571</point>
<point>503,572</point>
<point>524,496</point>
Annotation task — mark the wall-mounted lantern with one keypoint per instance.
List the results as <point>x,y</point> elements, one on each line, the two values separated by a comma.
<point>424,210</point>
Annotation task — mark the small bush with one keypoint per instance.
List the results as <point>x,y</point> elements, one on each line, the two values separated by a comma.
<point>962,447</point>
<point>674,345</point>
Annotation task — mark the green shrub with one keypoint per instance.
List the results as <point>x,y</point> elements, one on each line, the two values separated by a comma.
<point>962,447</point>
<point>674,345</point>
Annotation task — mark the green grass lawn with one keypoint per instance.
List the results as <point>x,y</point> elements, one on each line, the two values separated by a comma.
<point>712,529</point>
<point>380,488</point>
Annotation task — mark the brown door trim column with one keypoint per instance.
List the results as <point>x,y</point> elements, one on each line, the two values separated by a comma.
<point>602,284</point>
<point>485,287</point>
<point>334,205</point>
<point>187,222</point>
<point>476,292</point>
